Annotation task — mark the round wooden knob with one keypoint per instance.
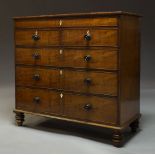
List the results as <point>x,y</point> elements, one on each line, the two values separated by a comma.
<point>87,58</point>
<point>36,99</point>
<point>36,56</point>
<point>87,106</point>
<point>88,81</point>
<point>87,37</point>
<point>36,77</point>
<point>35,37</point>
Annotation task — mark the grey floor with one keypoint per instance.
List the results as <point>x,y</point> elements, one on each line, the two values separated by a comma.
<point>40,135</point>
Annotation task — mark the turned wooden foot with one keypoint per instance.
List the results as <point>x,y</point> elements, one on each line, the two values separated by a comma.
<point>19,118</point>
<point>117,138</point>
<point>134,126</point>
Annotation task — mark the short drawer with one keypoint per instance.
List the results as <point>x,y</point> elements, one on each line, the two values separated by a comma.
<point>28,76</point>
<point>90,58</point>
<point>90,82</point>
<point>35,56</point>
<point>89,37</point>
<point>42,23</point>
<point>39,101</point>
<point>91,108</point>
<point>74,58</point>
<point>85,22</point>
<point>37,37</point>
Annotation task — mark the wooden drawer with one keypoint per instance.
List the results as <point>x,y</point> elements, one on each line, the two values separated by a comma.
<point>90,58</point>
<point>26,76</point>
<point>84,22</point>
<point>90,82</point>
<point>48,23</point>
<point>86,81</point>
<point>32,100</point>
<point>87,108</point>
<point>32,56</point>
<point>99,37</point>
<point>68,22</point>
<point>37,38</point>
<point>90,108</point>
<point>75,58</point>
<point>37,100</point>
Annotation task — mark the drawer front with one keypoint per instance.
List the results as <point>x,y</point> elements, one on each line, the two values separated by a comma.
<point>95,59</point>
<point>37,23</point>
<point>84,22</point>
<point>26,76</point>
<point>86,108</point>
<point>90,108</point>
<point>92,37</point>
<point>68,22</point>
<point>37,38</point>
<point>33,56</point>
<point>90,82</point>
<point>86,82</point>
<point>36,100</point>
<point>32,100</point>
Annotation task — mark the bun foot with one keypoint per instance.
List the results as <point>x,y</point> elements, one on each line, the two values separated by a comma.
<point>19,118</point>
<point>134,126</point>
<point>117,138</point>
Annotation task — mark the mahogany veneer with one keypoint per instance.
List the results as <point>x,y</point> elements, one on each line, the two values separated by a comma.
<point>83,68</point>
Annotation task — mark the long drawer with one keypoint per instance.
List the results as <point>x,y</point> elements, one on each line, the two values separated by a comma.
<point>75,58</point>
<point>67,37</point>
<point>68,22</point>
<point>70,80</point>
<point>87,108</point>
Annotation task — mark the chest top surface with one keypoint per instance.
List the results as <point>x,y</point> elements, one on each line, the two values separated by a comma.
<point>90,14</point>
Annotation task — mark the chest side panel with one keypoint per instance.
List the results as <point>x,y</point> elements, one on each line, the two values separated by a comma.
<point>129,68</point>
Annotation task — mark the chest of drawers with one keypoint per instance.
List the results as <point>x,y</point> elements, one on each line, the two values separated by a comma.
<point>83,68</point>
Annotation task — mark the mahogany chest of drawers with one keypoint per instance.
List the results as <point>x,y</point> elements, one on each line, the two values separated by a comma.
<point>83,68</point>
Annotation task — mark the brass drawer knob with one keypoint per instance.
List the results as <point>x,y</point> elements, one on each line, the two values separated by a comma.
<point>36,56</point>
<point>35,36</point>
<point>87,37</point>
<point>87,58</point>
<point>88,81</point>
<point>87,107</point>
<point>36,99</point>
<point>36,77</point>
